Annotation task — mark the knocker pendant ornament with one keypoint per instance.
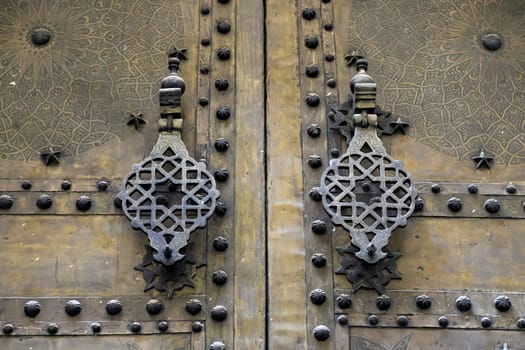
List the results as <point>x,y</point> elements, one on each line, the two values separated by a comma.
<point>168,196</point>
<point>367,192</point>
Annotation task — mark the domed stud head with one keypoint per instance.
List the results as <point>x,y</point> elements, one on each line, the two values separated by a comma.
<point>463,303</point>
<point>486,322</point>
<point>321,333</point>
<point>402,321</point>
<point>492,42</point>
<point>317,296</point>
<point>135,327</point>
<point>343,301</point>
<point>502,303</point>
<point>220,277</point>
<point>83,203</point>
<point>40,36</point>
<point>52,328</point>
<point>220,244</point>
<point>342,320</point>
<point>318,227</point>
<point>44,201</point>
<point>318,260</point>
<point>6,201</point>
<point>373,320</point>
<point>217,345</point>
<point>423,302</point>
<point>73,307</point>
<point>197,327</point>
<point>8,328</point>
<point>383,302</point>
<point>32,308</point>
<point>219,313</point>
<point>193,307</point>
<point>443,321</point>
<point>154,307</point>
<point>96,327</point>
<point>163,326</point>
<point>520,323</point>
<point>492,205</point>
<point>113,307</point>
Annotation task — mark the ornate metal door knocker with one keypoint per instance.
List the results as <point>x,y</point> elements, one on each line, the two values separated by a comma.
<point>168,195</point>
<point>367,192</point>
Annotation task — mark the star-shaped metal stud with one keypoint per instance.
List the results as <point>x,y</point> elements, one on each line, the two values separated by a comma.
<point>136,120</point>
<point>398,125</point>
<point>181,54</point>
<point>482,159</point>
<point>50,156</point>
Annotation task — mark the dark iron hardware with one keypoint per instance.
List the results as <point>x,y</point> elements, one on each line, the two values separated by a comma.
<point>169,195</point>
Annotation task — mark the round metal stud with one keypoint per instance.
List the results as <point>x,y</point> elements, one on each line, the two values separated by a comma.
<point>331,115</point>
<point>26,185</point>
<point>154,307</point>
<point>343,301</point>
<point>402,321</point>
<point>486,322</point>
<point>443,321</point>
<point>102,185</point>
<point>463,303</point>
<point>96,327</point>
<point>135,327</point>
<point>220,277</point>
<point>223,53</point>
<point>318,227</point>
<point>326,1</point>
<point>520,323</point>
<point>205,9</point>
<point>223,113</point>
<point>511,189</point>
<point>117,202</point>
<point>318,260</point>
<point>32,308</point>
<point>217,345</point>
<point>315,195</point>
<point>219,313</point>
<point>221,145</point>
<point>221,209</point>
<point>309,14</point>
<point>224,27</point>
<point>222,84</point>
<point>8,328</point>
<point>419,205</point>
<point>197,327</point>
<point>220,243</point>
<point>41,36</point>
<point>66,185</point>
<point>321,333</point>
<point>491,41</point>
<point>342,320</point>
<point>204,70</point>
<point>6,201</point>
<point>73,307</point>
<point>454,204</point>
<point>205,42</point>
<point>224,2</point>
<point>83,203</point>
<point>44,201</point>
<point>435,188</point>
<point>383,302</point>
<point>472,188</point>
<point>423,302</point>
<point>163,326</point>
<point>328,26</point>
<point>329,57</point>
<point>113,307</point>
<point>221,174</point>
<point>492,205</point>
<point>312,99</point>
<point>373,320</point>
<point>52,328</point>
<point>203,101</point>
<point>335,153</point>
<point>331,83</point>
<point>193,307</point>
<point>317,296</point>
<point>312,71</point>
<point>315,161</point>
<point>311,42</point>
<point>502,303</point>
<point>313,130</point>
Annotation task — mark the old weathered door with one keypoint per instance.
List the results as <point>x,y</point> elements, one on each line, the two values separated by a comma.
<point>265,105</point>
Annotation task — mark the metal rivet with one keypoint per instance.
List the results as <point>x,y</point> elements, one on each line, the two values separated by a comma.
<point>472,188</point>
<point>311,42</point>
<point>117,202</point>
<point>502,303</point>
<point>135,327</point>
<point>221,145</point>
<point>342,320</point>
<point>221,174</point>
<point>73,307</point>
<point>223,54</point>
<point>83,203</point>
<point>224,2</point>
<point>315,195</point>
<point>203,101</point>
<point>309,14</point>
<point>383,302</point>
<point>312,71</point>
<point>492,205</point>
<point>102,185</point>
<point>328,26</point>
<point>223,113</point>
<point>419,205</point>
<point>373,320</point>
<point>318,226</point>
<point>66,185</point>
<point>317,296</point>
<point>443,321</point>
<point>343,301</point>
<point>435,188</point>
<point>220,243</point>
<point>492,42</point>
<point>329,57</point>
<point>197,327</point>
<point>423,301</point>
<point>222,84</point>
<point>220,277</point>
<point>221,209</point>
<point>113,307</point>
<point>486,322</point>
<point>44,201</point>
<point>8,328</point>
<point>331,115</point>
<point>193,306</point>
<point>454,204</point>
<point>318,260</point>
<point>205,70</point>
<point>331,83</point>
<point>32,308</point>
<point>41,36</point>
<point>326,1</point>
<point>52,328</point>
<point>321,333</point>
<point>223,26</point>
<point>313,130</point>
<point>520,323</point>
<point>154,307</point>
<point>312,99</point>
<point>205,42</point>
<point>6,201</point>
<point>219,313</point>
<point>217,345</point>
<point>335,153</point>
<point>96,327</point>
<point>511,189</point>
<point>315,161</point>
<point>26,185</point>
<point>402,321</point>
<point>163,326</point>
<point>463,303</point>
<point>205,9</point>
